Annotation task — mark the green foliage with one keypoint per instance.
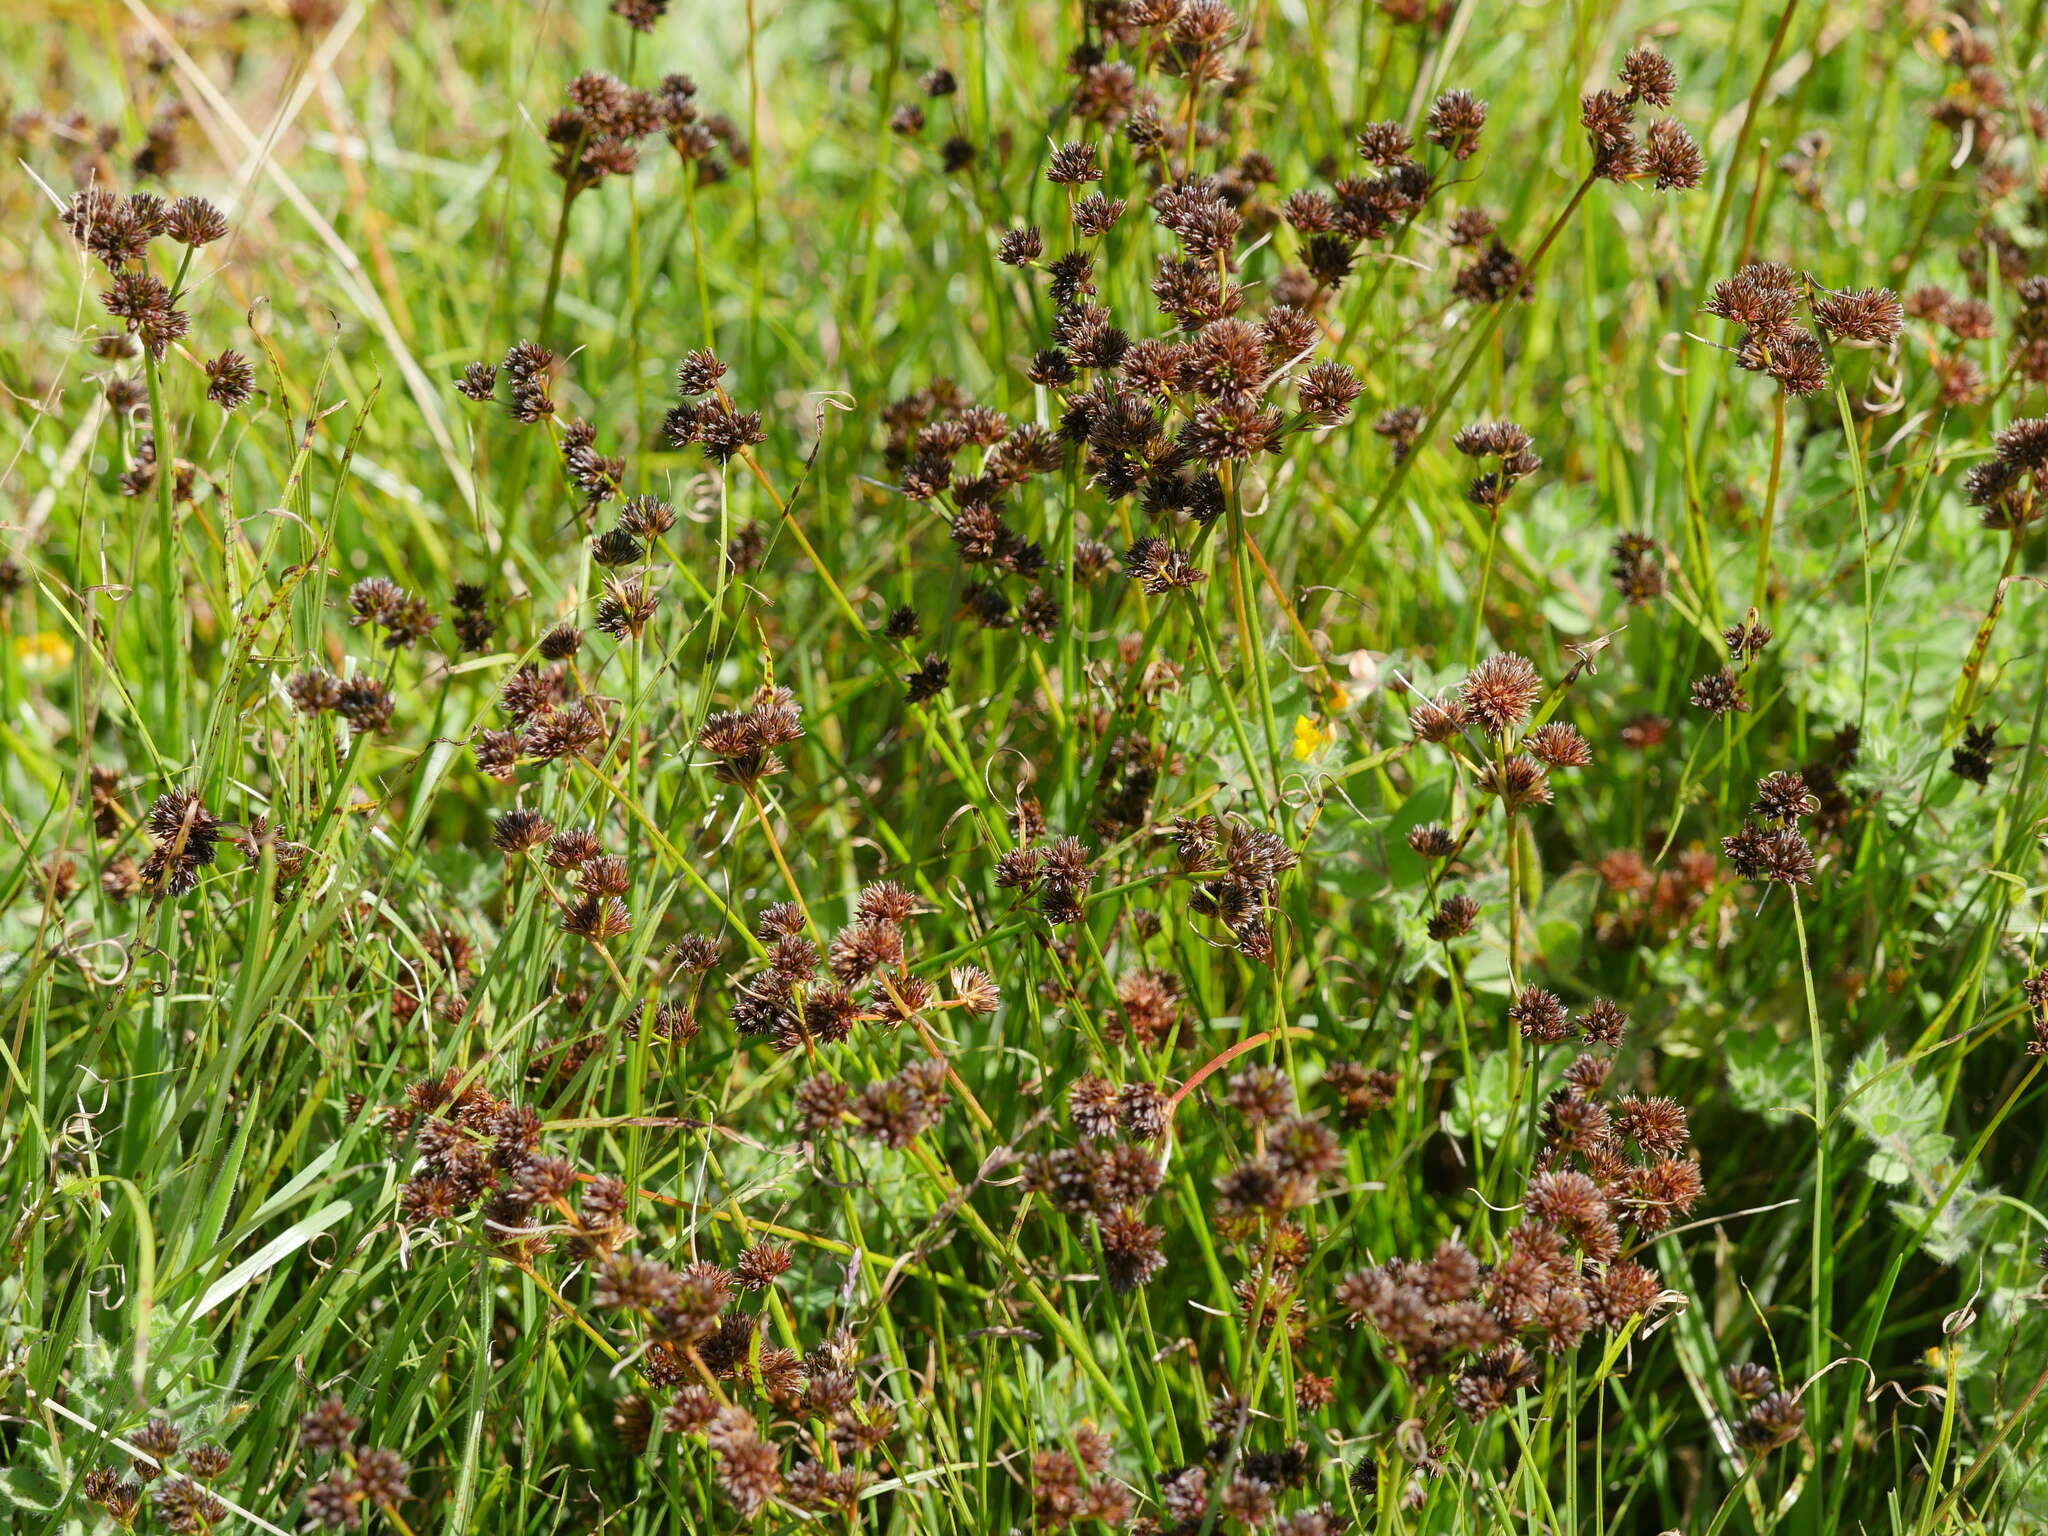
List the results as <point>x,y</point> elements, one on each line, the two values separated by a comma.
<point>264,1133</point>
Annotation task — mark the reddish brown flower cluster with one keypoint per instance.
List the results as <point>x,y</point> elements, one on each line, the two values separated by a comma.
<point>1764,298</point>
<point>1774,1418</point>
<point>1771,847</point>
<point>1509,446</point>
<point>1670,159</point>
<point>896,1110</point>
<point>1166,419</point>
<point>404,617</point>
<point>478,1152</point>
<point>473,624</point>
<point>1361,1091</point>
<point>182,1501</point>
<point>697,137</point>
<point>1400,425</point>
<point>1488,715</point>
<point>1720,692</point>
<point>926,433</point>
<point>1638,571</point>
<point>746,742</point>
<point>1150,1003</point>
<point>1283,1174</point>
<point>2007,487</point>
<point>1978,106</point>
<point>705,415</point>
<point>529,369</point>
<point>1106,1179</point>
<point>1605,1171</point>
<point>1251,862</point>
<point>818,1386</point>
<point>366,703</point>
<point>483,1155</point>
<point>184,839</point>
<point>1068,1488</point>
<point>1652,908</point>
<point>230,380</point>
<point>640,15</point>
<point>1249,1496</point>
<point>550,717</point>
<point>1059,872</point>
<point>788,1003</point>
<point>118,232</point>
<point>363,1477</point>
<point>596,133</point>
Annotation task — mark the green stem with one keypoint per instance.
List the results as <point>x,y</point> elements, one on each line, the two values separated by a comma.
<point>1485,579</point>
<point>561,246</point>
<point>1761,590</point>
<point>1251,654</point>
<point>170,593</point>
<point>1820,1289</point>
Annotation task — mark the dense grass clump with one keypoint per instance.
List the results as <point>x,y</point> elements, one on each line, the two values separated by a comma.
<point>1145,765</point>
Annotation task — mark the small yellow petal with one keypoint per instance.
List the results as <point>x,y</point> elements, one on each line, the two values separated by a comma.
<point>45,649</point>
<point>1311,736</point>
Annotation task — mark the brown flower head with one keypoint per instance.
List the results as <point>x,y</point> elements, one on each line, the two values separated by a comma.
<point>1501,691</point>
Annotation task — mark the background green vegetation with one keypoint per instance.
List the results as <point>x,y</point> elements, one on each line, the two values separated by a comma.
<point>198,1229</point>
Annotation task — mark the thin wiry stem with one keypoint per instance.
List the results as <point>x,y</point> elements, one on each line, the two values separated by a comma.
<point>1761,589</point>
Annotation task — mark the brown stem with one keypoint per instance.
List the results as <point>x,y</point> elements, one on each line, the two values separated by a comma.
<point>1973,665</point>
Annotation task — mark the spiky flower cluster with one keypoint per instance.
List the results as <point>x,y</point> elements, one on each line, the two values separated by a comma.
<point>549,717</point>
<point>118,232</point>
<point>1770,846</point>
<point>1059,872</point>
<point>473,624</point>
<point>361,1478</point>
<point>1490,716</point>
<point>597,910</point>
<point>597,131</point>
<point>1978,107</point>
<point>1108,1180</point>
<point>691,1343</point>
<point>1172,420</point>
<point>1292,1154</point>
<point>183,1503</point>
<point>1607,1172</point>
<point>1669,158</point>
<point>927,432</point>
<point>1068,1488</point>
<point>1772,1417</point>
<point>1509,446</point>
<point>1974,757</point>
<point>2007,487</point>
<point>529,369</point>
<point>1331,227</point>
<point>1234,1486</point>
<point>698,136</point>
<point>1638,572</point>
<point>704,413</point>
<point>404,617</point>
<point>184,839</point>
<point>746,742</point>
<point>789,1003</point>
<point>1251,861</point>
<point>1764,299</point>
